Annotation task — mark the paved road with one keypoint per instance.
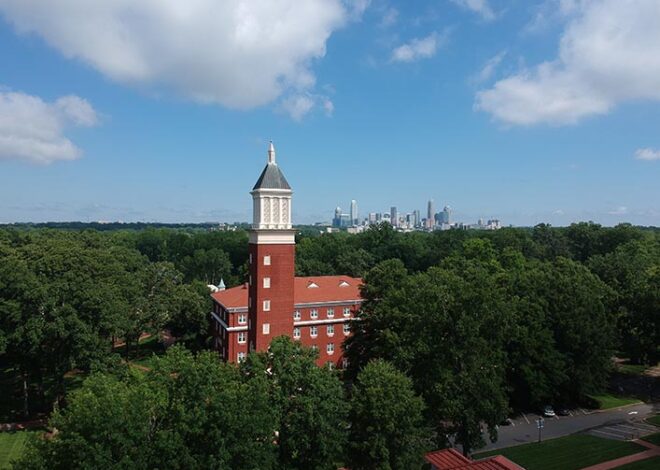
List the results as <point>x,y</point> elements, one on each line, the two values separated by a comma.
<point>524,427</point>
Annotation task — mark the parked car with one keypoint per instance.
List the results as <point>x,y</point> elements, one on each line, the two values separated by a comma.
<point>563,411</point>
<point>548,412</point>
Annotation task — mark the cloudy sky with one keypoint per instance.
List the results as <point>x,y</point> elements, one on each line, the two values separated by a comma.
<point>161,110</point>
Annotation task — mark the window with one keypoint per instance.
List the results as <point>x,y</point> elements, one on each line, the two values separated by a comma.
<point>314,313</point>
<point>331,330</point>
<point>347,328</point>
<point>266,305</point>
<point>267,260</point>
<point>330,348</point>
<point>241,357</point>
<point>250,258</point>
<point>265,329</point>
<point>242,318</point>
<point>331,312</point>
<point>296,333</point>
<point>296,315</point>
<point>266,283</point>
<point>242,337</point>
<point>314,347</point>
<point>347,311</point>
<point>313,331</point>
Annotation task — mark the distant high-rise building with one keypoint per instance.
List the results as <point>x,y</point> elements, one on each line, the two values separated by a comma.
<point>445,215</point>
<point>394,216</point>
<point>336,221</point>
<point>417,217</point>
<point>430,214</point>
<point>354,212</point>
<point>373,218</point>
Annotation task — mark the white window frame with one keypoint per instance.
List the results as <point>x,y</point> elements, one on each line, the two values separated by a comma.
<point>266,305</point>
<point>330,329</point>
<point>347,311</point>
<point>314,347</point>
<point>267,260</point>
<point>297,315</point>
<point>265,328</point>
<point>313,331</point>
<point>347,329</point>
<point>296,333</point>
<point>330,349</point>
<point>314,313</point>
<point>242,318</point>
<point>266,283</point>
<point>240,357</point>
<point>242,337</point>
<point>330,312</point>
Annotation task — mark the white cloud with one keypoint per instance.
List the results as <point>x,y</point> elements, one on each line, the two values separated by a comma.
<point>609,53</point>
<point>621,210</point>
<point>489,68</point>
<point>390,16</point>
<point>421,48</point>
<point>33,130</point>
<point>299,105</point>
<point>239,54</point>
<point>481,7</point>
<point>648,154</point>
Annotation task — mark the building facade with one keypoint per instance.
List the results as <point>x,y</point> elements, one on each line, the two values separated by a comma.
<point>313,310</point>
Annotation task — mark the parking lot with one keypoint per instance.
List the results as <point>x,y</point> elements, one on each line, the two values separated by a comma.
<point>618,423</point>
<point>624,431</point>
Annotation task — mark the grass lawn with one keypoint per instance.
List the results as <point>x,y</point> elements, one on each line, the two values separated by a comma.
<point>632,369</point>
<point>11,446</point>
<point>607,401</point>
<point>654,420</point>
<point>653,439</point>
<point>648,464</point>
<point>566,453</point>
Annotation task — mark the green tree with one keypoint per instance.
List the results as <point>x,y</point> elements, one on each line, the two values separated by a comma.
<point>311,405</point>
<point>187,412</point>
<point>387,425</point>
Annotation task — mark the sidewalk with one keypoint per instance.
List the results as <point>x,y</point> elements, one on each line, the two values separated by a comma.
<point>652,451</point>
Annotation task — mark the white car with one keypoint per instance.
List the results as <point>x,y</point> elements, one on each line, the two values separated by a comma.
<point>548,412</point>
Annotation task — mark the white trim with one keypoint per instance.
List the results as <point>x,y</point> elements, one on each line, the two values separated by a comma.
<point>321,322</point>
<point>330,302</point>
<point>272,237</point>
<point>224,325</point>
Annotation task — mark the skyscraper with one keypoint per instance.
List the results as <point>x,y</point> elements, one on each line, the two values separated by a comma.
<point>430,214</point>
<point>446,215</point>
<point>394,216</point>
<point>354,212</point>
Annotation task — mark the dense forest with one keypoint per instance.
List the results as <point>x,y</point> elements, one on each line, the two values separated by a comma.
<point>461,326</point>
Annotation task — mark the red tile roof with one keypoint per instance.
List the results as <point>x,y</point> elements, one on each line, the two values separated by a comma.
<point>446,458</point>
<point>329,289</point>
<point>450,459</point>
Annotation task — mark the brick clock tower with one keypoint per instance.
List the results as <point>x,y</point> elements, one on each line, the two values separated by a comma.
<point>272,258</point>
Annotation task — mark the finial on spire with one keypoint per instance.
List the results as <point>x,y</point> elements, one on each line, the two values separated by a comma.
<point>271,153</point>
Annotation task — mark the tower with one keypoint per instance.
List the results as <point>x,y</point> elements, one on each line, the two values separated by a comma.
<point>430,214</point>
<point>354,212</point>
<point>272,258</point>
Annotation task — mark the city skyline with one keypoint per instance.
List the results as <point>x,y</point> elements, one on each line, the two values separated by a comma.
<point>498,108</point>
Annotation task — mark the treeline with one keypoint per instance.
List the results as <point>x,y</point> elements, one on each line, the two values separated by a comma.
<point>278,410</point>
<point>68,298</point>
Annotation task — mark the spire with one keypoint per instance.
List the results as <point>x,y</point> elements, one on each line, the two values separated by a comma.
<point>221,286</point>
<point>271,153</point>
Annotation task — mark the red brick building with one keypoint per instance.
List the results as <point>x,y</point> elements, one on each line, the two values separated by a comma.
<point>313,310</point>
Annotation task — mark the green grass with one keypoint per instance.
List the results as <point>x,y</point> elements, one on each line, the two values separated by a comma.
<point>655,420</point>
<point>648,464</point>
<point>566,453</point>
<point>632,369</point>
<point>11,446</point>
<point>653,438</point>
<point>607,401</point>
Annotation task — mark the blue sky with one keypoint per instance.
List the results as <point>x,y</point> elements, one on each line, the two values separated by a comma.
<point>526,111</point>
